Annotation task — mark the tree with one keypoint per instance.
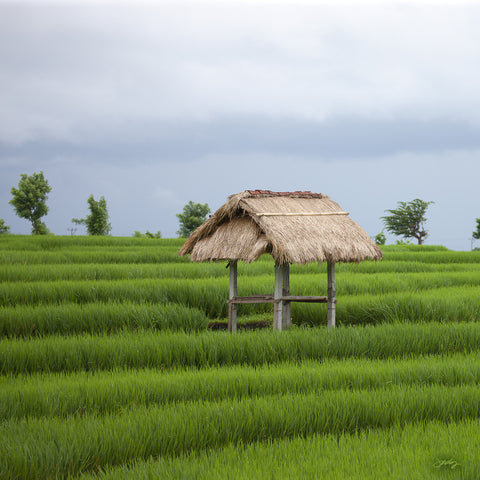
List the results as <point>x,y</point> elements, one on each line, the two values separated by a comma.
<point>3,228</point>
<point>380,238</point>
<point>194,214</point>
<point>29,200</point>
<point>476,234</point>
<point>408,220</point>
<point>97,222</point>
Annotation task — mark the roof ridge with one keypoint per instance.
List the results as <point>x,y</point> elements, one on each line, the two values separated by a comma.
<point>296,194</point>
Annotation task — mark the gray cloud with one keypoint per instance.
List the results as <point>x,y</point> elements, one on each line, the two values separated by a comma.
<point>77,65</point>
<point>186,141</point>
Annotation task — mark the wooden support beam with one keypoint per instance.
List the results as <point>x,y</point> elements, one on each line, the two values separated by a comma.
<point>331,295</point>
<point>277,307</point>
<point>252,299</point>
<point>280,310</point>
<point>301,298</point>
<point>270,299</point>
<point>232,307</point>
<point>286,305</point>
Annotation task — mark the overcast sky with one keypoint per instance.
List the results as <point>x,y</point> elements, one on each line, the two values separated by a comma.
<point>154,104</point>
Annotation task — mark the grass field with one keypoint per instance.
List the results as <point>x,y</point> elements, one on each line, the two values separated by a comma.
<point>109,368</point>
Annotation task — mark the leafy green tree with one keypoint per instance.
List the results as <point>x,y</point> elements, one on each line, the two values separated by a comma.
<point>476,233</point>
<point>380,238</point>
<point>3,228</point>
<point>408,220</point>
<point>30,200</point>
<point>193,215</point>
<point>97,222</point>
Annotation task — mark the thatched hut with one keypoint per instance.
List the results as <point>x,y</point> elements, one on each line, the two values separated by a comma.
<point>294,227</point>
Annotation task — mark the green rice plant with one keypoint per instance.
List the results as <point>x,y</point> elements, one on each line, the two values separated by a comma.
<point>448,304</point>
<point>368,267</point>
<point>180,350</point>
<point>361,284</point>
<point>53,447</point>
<point>207,294</point>
<point>411,247</point>
<point>140,254</point>
<point>384,266</point>
<point>433,256</point>
<point>385,282</point>
<point>55,242</point>
<point>23,249</point>
<point>124,271</point>
<point>210,294</point>
<point>110,271</point>
<point>72,318</point>
<point>416,452</point>
<point>442,304</point>
<point>112,391</point>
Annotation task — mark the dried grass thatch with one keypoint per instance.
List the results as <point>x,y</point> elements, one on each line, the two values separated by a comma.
<point>295,227</point>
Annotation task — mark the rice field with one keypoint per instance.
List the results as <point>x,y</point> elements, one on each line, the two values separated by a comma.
<point>110,368</point>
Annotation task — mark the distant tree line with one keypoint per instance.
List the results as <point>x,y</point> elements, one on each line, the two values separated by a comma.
<point>29,199</point>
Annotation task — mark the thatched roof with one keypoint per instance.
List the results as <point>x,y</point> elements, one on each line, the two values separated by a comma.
<point>295,227</point>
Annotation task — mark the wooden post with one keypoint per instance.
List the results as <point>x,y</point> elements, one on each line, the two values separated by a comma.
<point>286,306</point>
<point>280,310</point>
<point>331,295</point>
<point>232,307</point>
